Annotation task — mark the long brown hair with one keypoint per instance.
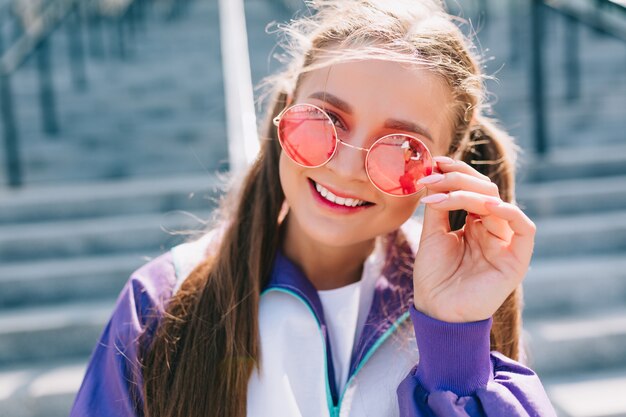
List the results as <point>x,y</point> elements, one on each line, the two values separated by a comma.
<point>206,345</point>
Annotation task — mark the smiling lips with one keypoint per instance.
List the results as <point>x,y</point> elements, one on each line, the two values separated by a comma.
<point>333,198</point>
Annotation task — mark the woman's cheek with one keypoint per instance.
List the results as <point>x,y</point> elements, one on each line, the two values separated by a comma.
<point>288,177</point>
<point>400,209</point>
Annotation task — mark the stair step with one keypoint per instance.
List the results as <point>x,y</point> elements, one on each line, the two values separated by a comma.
<point>581,235</point>
<point>59,280</point>
<point>108,164</point>
<point>577,343</point>
<point>560,285</point>
<point>104,198</point>
<point>576,162</point>
<point>573,196</point>
<point>49,391</point>
<point>54,332</point>
<point>559,236</point>
<point>589,395</point>
<point>567,286</point>
<point>40,391</point>
<point>84,237</point>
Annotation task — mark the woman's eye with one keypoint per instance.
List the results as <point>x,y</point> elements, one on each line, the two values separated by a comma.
<point>336,120</point>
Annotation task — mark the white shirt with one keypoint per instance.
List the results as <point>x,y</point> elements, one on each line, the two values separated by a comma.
<point>341,312</point>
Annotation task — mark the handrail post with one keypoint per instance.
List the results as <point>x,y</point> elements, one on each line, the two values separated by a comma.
<point>46,90</point>
<point>140,20</point>
<point>75,49</point>
<point>538,93</point>
<point>572,65</point>
<point>118,22</point>
<point>131,18</point>
<point>11,153</point>
<point>514,31</point>
<point>96,43</point>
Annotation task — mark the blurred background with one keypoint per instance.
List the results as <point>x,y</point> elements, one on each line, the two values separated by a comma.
<point>118,115</point>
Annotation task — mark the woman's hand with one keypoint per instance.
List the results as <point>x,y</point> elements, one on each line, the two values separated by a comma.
<point>467,274</point>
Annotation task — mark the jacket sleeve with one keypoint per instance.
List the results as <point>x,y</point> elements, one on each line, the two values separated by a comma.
<point>457,375</point>
<point>112,385</point>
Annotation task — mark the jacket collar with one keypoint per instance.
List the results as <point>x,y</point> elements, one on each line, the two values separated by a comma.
<point>393,294</point>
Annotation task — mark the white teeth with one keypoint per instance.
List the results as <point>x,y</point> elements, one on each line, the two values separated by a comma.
<point>323,191</point>
<point>349,202</point>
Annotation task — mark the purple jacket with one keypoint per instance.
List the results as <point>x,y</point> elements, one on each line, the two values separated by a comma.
<point>455,375</point>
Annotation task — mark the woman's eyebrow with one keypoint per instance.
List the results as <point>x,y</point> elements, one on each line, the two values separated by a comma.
<point>389,123</point>
<point>408,127</point>
<point>334,100</point>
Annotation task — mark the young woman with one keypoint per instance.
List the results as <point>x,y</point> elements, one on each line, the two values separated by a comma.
<point>316,294</point>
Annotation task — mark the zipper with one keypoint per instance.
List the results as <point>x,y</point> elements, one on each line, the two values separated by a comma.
<point>374,348</point>
<point>333,409</point>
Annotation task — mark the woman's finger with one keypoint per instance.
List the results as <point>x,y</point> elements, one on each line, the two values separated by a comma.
<point>492,249</point>
<point>456,180</point>
<point>435,221</point>
<point>498,227</point>
<point>447,164</point>
<point>477,235</point>
<point>460,200</point>
<point>523,238</point>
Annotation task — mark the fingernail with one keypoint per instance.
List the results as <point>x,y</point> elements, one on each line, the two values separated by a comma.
<point>443,160</point>
<point>431,179</point>
<point>434,198</point>
<point>492,203</point>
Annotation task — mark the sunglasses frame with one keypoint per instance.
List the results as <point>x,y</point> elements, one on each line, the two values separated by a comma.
<point>338,141</point>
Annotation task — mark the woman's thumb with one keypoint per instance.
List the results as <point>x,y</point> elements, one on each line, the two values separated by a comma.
<point>435,220</point>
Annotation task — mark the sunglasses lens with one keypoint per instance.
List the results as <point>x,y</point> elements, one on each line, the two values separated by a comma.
<point>307,135</point>
<point>396,162</point>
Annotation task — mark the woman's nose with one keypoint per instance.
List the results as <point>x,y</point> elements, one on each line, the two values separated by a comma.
<point>349,161</point>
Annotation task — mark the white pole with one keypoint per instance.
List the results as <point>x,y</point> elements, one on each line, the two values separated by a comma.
<point>243,143</point>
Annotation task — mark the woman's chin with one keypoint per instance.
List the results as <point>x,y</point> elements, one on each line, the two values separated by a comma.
<point>333,232</point>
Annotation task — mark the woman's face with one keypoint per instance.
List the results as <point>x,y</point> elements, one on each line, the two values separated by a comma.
<point>366,100</point>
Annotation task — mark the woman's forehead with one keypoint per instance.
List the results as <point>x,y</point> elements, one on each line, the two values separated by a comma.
<point>379,82</point>
<point>377,90</point>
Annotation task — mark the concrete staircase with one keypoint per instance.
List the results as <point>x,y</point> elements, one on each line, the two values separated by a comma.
<point>60,275</point>
<point>72,236</point>
<point>158,111</point>
<point>575,292</point>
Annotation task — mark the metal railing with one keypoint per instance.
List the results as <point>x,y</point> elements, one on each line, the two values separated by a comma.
<point>604,16</point>
<point>31,37</point>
